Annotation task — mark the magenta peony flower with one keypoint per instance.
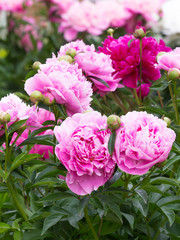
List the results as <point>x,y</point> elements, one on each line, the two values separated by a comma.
<point>126,59</point>
<point>42,116</point>
<point>18,110</point>
<point>142,141</point>
<point>169,60</point>
<point>83,150</point>
<point>65,82</point>
<point>98,65</point>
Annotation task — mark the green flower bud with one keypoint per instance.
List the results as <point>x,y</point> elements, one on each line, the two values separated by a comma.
<point>36,96</point>
<point>113,122</point>
<point>5,117</point>
<point>139,33</point>
<point>110,31</point>
<point>71,52</point>
<point>167,120</point>
<point>173,74</point>
<point>36,65</point>
<point>66,58</point>
<point>48,99</point>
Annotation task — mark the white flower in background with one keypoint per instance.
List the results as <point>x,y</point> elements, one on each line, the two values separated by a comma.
<point>170,22</point>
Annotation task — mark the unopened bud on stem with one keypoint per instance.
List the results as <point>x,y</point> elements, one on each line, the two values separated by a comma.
<point>5,117</point>
<point>36,65</point>
<point>71,52</point>
<point>113,122</point>
<point>66,58</point>
<point>36,96</point>
<point>173,74</point>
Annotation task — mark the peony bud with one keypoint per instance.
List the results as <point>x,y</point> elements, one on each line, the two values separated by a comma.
<point>5,117</point>
<point>71,52</point>
<point>110,31</point>
<point>173,74</point>
<point>113,122</point>
<point>66,58</point>
<point>48,99</point>
<point>139,33</point>
<point>36,65</point>
<point>167,120</point>
<point>36,96</point>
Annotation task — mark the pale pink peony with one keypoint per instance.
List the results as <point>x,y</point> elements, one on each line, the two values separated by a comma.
<point>83,150</point>
<point>65,82</point>
<point>63,5</point>
<point>149,9</point>
<point>78,46</point>
<point>169,60</point>
<point>98,65</point>
<point>14,5</point>
<point>80,17</point>
<point>18,110</point>
<point>42,116</point>
<point>142,141</point>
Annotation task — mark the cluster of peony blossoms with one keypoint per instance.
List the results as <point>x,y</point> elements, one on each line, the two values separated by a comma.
<point>125,55</point>
<point>88,16</point>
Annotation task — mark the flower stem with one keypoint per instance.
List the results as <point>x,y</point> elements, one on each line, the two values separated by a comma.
<point>174,104</point>
<point>175,96</point>
<point>90,224</point>
<point>7,147</point>
<point>136,97</point>
<point>140,71</point>
<point>160,99</point>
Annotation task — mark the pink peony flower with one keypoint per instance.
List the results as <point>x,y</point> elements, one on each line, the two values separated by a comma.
<point>78,45</point>
<point>98,65</point>
<point>80,17</point>
<point>18,110</point>
<point>169,60</point>
<point>142,141</point>
<point>83,150</point>
<point>25,32</point>
<point>65,82</point>
<point>14,6</point>
<point>42,116</point>
<point>126,59</point>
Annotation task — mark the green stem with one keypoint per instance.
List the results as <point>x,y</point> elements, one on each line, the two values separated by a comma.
<point>17,203</point>
<point>160,99</point>
<point>158,232</point>
<point>136,97</point>
<point>7,147</point>
<point>175,96</point>
<point>126,182</point>
<point>174,104</point>
<point>118,101</point>
<point>147,226</point>
<point>140,71</point>
<point>90,224</point>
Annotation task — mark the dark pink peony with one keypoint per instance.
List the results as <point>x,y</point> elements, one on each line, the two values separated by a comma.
<point>143,140</point>
<point>125,54</point>
<point>83,150</point>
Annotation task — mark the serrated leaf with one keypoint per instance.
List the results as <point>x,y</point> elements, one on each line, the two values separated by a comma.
<point>16,126</point>
<point>111,142</point>
<point>51,221</point>
<point>42,140</point>
<point>99,80</point>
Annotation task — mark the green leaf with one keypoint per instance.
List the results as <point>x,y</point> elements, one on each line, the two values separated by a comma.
<point>115,178</point>
<point>82,204</point>
<point>129,218</point>
<point>4,175</point>
<point>4,227</point>
<point>40,130</point>
<point>143,194</point>
<point>44,182</point>
<point>169,214</point>
<point>99,80</point>
<point>56,196</point>
<point>42,140</point>
<point>130,41</point>
<point>168,200</point>
<point>111,142</point>
<point>22,159</point>
<point>141,206</point>
<point>171,161</point>
<point>18,235</point>
<point>15,224</point>
<point>50,221</point>
<point>152,188</point>
<point>30,74</point>
<point>164,180</point>
<point>16,126</point>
